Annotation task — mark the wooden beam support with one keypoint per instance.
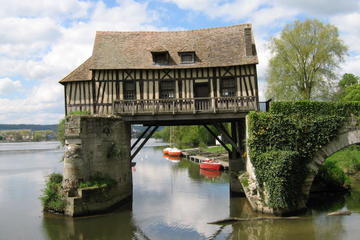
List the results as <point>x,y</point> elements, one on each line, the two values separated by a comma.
<point>140,137</point>
<point>217,138</point>
<point>143,143</point>
<point>227,136</point>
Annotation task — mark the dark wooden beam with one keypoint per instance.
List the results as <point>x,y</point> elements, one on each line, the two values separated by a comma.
<point>140,137</point>
<point>143,143</point>
<point>217,138</point>
<point>227,136</point>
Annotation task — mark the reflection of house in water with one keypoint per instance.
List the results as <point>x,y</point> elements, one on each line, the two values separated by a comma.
<point>142,74</point>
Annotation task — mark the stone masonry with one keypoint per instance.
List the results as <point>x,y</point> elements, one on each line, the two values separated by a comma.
<point>96,147</point>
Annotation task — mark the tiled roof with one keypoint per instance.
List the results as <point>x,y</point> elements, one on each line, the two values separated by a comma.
<point>81,73</point>
<point>214,47</point>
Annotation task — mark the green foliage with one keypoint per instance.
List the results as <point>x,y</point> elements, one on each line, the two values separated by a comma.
<point>347,159</point>
<point>280,171</point>
<point>98,181</point>
<point>163,134</point>
<point>332,174</point>
<point>283,140</point>
<point>306,55</point>
<point>245,179</point>
<point>347,80</point>
<point>52,199</point>
<point>352,93</point>
<point>187,136</point>
<point>309,108</point>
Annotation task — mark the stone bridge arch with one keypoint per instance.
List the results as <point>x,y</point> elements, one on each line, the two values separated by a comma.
<point>348,135</point>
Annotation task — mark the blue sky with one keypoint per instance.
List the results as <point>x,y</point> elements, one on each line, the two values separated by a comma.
<point>42,41</point>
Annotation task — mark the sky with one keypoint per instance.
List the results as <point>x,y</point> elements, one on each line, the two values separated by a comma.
<point>41,41</point>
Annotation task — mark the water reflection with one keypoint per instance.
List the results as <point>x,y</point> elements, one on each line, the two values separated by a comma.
<point>171,200</point>
<point>102,227</point>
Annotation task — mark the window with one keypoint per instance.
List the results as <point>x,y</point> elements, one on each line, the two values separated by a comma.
<point>129,90</point>
<point>160,58</point>
<point>187,57</point>
<point>167,89</point>
<point>228,87</point>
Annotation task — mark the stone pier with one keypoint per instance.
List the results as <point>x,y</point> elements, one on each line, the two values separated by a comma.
<point>237,160</point>
<point>96,147</point>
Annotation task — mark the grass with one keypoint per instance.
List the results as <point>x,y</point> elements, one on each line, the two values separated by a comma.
<point>98,182</point>
<point>52,199</point>
<point>216,149</point>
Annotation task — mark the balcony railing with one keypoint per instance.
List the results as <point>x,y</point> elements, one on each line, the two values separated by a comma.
<point>185,105</point>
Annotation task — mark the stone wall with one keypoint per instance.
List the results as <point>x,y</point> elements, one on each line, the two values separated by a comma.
<point>96,147</point>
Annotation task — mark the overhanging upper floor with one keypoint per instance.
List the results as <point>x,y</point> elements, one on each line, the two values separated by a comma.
<point>183,75</point>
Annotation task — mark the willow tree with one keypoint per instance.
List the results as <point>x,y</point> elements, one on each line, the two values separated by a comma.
<point>305,58</point>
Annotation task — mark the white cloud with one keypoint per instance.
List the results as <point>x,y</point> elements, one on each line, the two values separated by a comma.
<point>351,65</point>
<point>8,86</point>
<point>43,50</point>
<point>228,10</point>
<point>322,7</point>
<point>28,30</point>
<point>349,27</point>
<point>41,8</point>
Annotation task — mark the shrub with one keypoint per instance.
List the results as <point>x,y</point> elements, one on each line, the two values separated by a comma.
<point>306,108</point>
<point>332,174</point>
<point>52,198</point>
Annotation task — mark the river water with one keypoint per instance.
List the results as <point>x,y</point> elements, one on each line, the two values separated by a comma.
<point>171,200</point>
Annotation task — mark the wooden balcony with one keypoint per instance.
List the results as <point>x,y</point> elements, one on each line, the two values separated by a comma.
<point>184,109</point>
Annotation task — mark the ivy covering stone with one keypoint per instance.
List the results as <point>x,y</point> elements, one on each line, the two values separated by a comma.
<point>285,139</point>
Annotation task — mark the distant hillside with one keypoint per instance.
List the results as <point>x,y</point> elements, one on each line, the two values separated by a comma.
<point>32,127</point>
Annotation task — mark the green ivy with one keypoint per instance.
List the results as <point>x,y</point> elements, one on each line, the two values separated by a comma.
<point>280,171</point>
<point>285,139</point>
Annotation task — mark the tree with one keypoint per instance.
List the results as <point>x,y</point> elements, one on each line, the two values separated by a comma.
<point>306,56</point>
<point>347,81</point>
<point>61,131</point>
<point>352,93</point>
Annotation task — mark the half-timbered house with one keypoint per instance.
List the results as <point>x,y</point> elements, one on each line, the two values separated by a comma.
<point>196,74</point>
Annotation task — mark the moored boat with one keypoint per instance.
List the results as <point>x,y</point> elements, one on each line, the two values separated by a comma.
<point>211,165</point>
<point>166,150</point>
<point>174,152</point>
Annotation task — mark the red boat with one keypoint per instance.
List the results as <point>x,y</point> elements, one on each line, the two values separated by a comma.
<point>211,165</point>
<point>209,173</point>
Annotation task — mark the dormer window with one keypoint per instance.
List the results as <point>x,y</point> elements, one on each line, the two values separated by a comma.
<point>160,58</point>
<point>187,57</point>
